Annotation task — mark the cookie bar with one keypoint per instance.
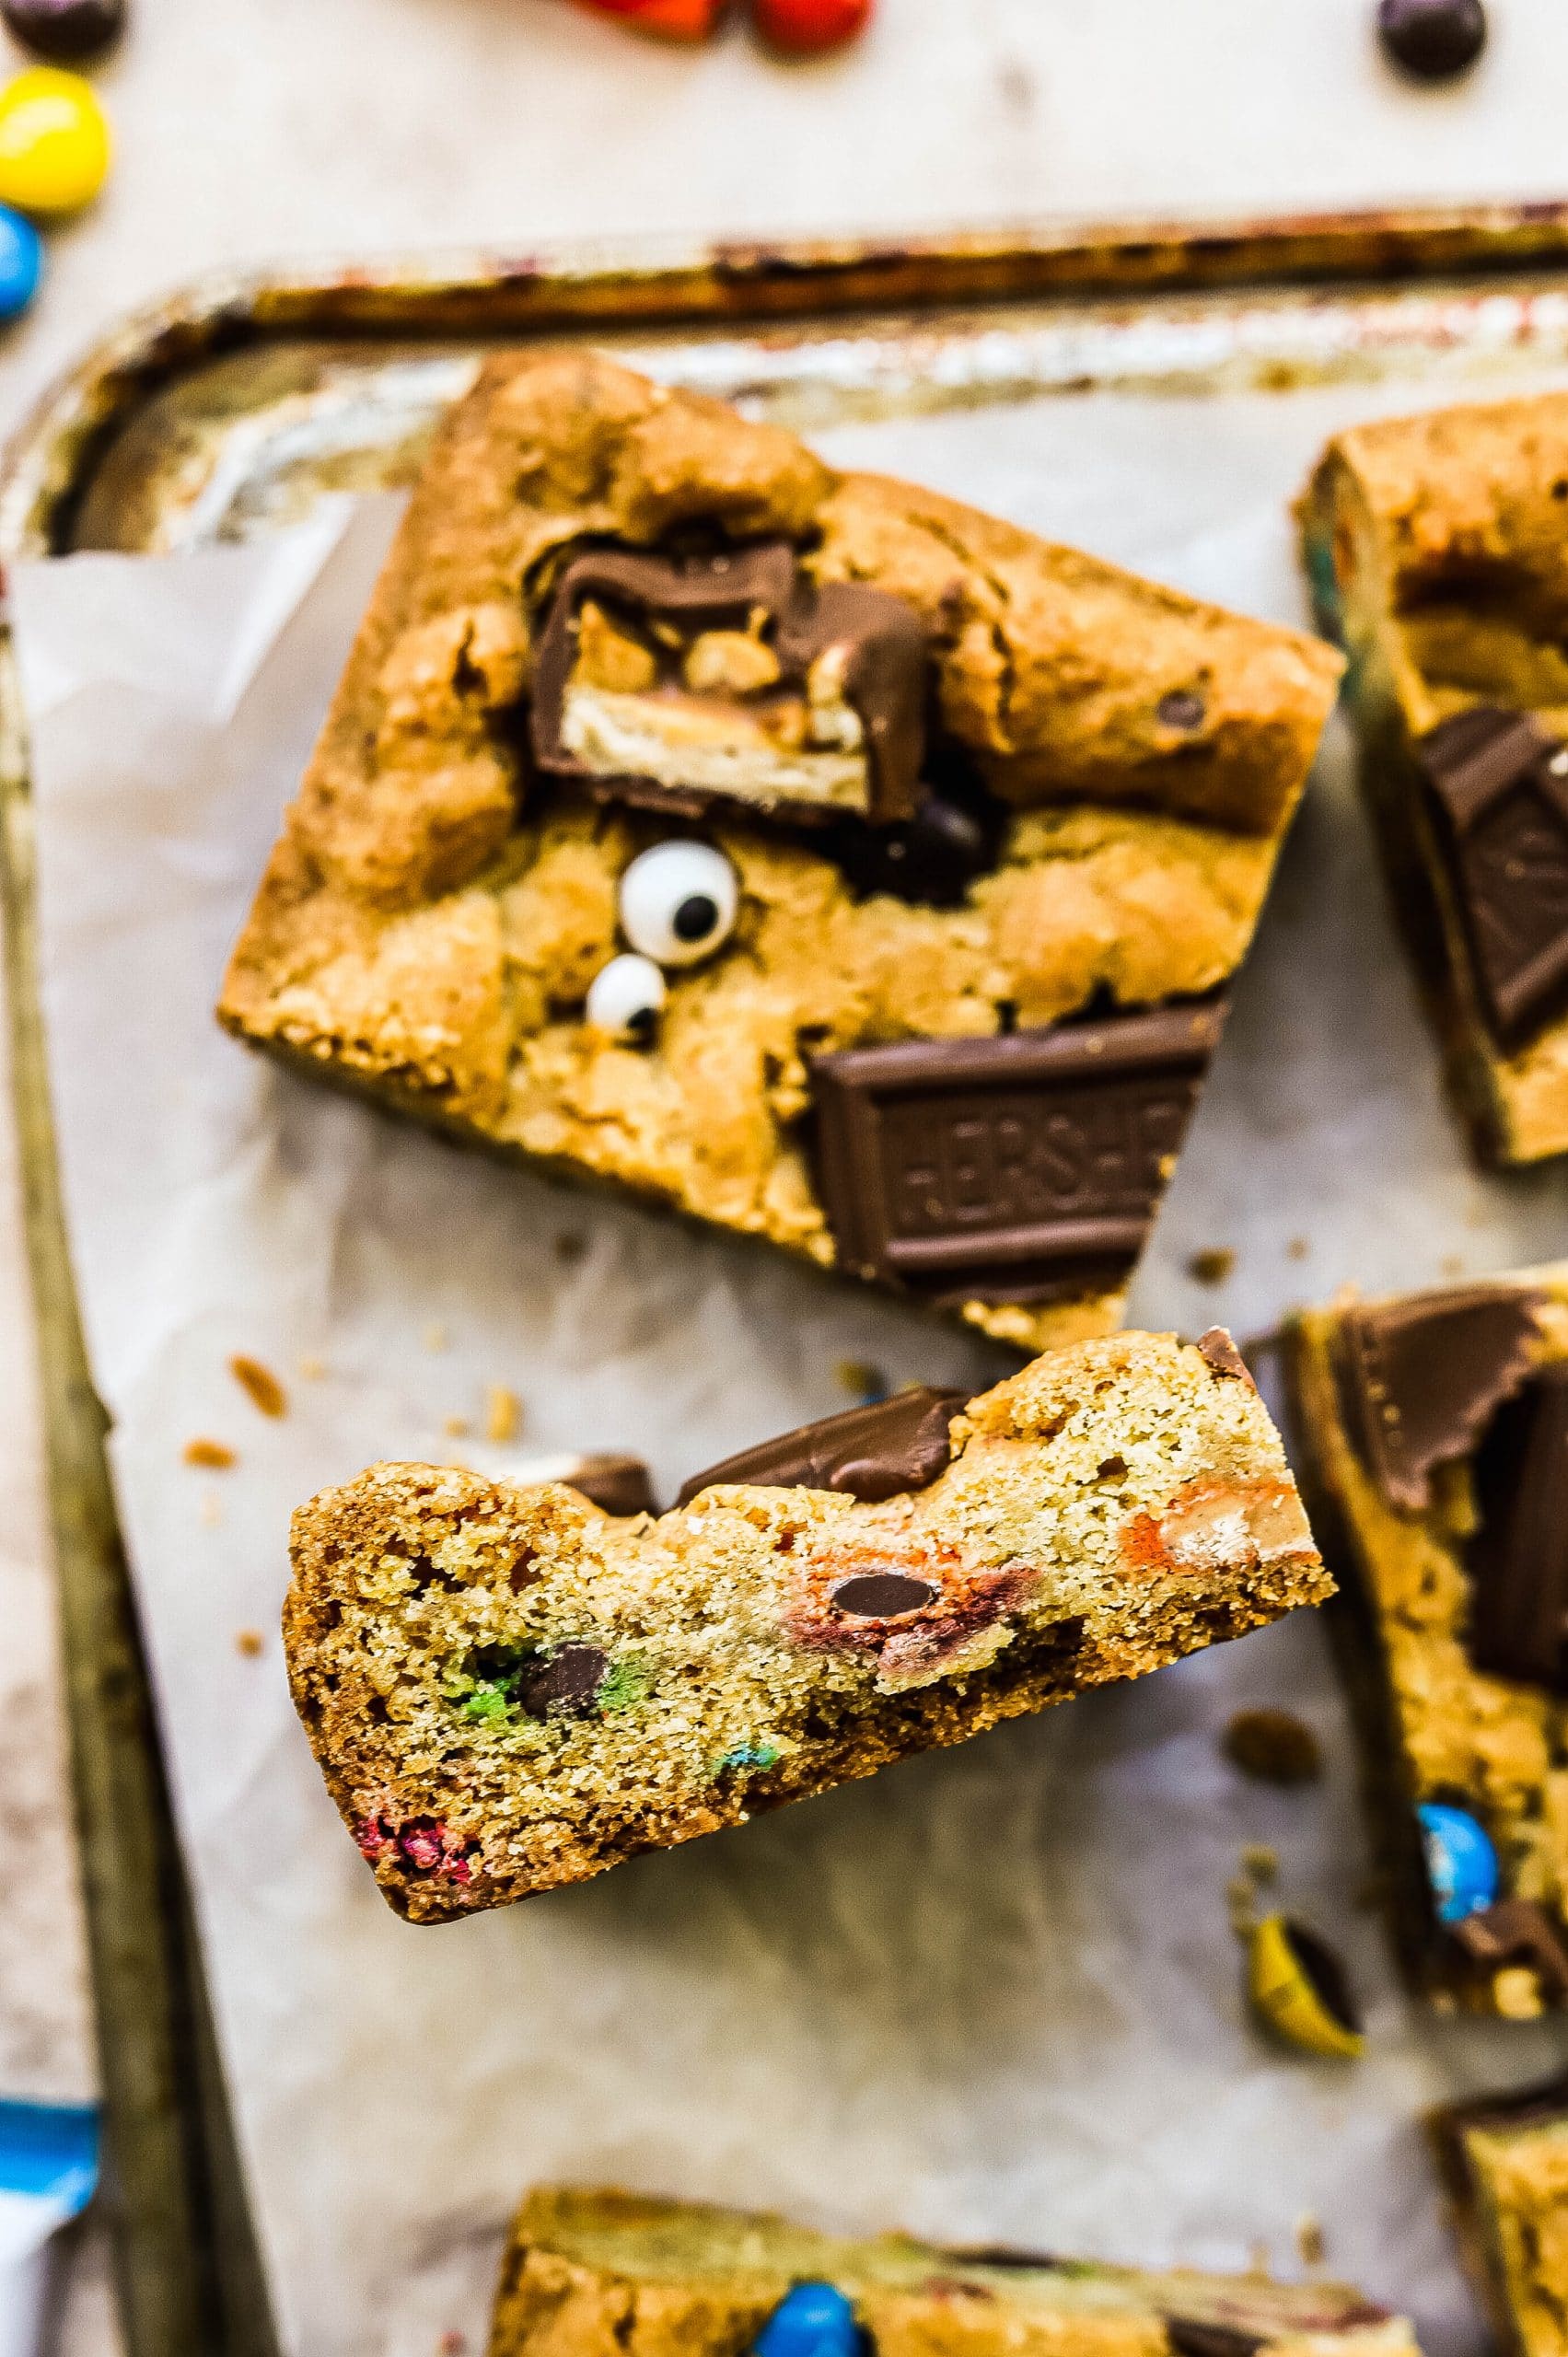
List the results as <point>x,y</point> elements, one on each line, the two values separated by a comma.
<point>1435,550</point>
<point>590,2270</point>
<point>506,1691</point>
<point>800,851</point>
<point>1506,2159</point>
<point>1434,1432</point>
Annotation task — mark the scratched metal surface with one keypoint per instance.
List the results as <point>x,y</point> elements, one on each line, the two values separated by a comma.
<point>229,410</point>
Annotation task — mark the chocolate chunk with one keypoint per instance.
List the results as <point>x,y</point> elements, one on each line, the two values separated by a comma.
<point>1422,1378</point>
<point>67,31</point>
<point>885,642</point>
<point>1189,2337</point>
<point>1518,1557</point>
<point>1182,709</point>
<point>567,1682</point>
<point>869,1452</point>
<point>1019,1168</point>
<point>1433,39</point>
<point>929,860</point>
<point>881,1595</point>
<point>1499,786</point>
<point>1217,1347</point>
<point>1515,1932</point>
<point>618,1485</point>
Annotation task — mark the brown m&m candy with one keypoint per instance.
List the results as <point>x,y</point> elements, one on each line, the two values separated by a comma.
<point>1433,41</point>
<point>65,31</point>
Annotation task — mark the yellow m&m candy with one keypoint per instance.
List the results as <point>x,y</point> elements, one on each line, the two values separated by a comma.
<point>54,142</point>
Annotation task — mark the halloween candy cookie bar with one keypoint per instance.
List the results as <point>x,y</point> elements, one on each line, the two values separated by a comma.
<point>1434,1428</point>
<point>590,2270</point>
<point>506,1691</point>
<point>801,851</point>
<point>1437,552</point>
<point>1505,2158</point>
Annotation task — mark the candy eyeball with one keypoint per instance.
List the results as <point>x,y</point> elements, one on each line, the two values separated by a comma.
<point>626,999</point>
<point>679,902</point>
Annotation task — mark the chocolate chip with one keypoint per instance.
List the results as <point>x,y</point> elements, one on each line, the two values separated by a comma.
<point>567,1682</point>
<point>930,860</point>
<point>1432,39</point>
<point>1182,709</point>
<point>67,31</point>
<point>881,1595</point>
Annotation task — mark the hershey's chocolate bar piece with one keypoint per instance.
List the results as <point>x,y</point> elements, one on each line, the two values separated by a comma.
<point>617,1485</point>
<point>1422,1378</point>
<point>1500,786</point>
<point>1518,1557</point>
<point>1515,1932</point>
<point>1018,1168</point>
<point>885,645</point>
<point>867,1453</point>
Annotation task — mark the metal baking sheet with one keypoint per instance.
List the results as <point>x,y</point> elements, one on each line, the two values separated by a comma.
<point>231,410</point>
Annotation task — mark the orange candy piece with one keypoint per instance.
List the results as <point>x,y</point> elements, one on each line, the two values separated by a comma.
<point>803,28</point>
<point>688,21</point>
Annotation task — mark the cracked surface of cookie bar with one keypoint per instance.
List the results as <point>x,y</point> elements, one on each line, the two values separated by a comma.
<point>1435,549</point>
<point>1430,1522</point>
<point>591,2270</point>
<point>506,1691</point>
<point>1112,766</point>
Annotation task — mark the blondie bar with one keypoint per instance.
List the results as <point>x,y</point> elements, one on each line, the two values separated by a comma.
<point>1434,1435</point>
<point>801,851</point>
<point>1506,2159</point>
<point>506,1689</point>
<point>593,2271</point>
<point>1436,553</point>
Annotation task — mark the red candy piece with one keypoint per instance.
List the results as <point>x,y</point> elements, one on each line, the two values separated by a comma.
<point>802,28</point>
<point>666,19</point>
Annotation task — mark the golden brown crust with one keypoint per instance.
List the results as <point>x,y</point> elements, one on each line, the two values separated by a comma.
<point>598,2273</point>
<point>1441,539</point>
<point>1443,1730</point>
<point>1112,1507</point>
<point>422,931</point>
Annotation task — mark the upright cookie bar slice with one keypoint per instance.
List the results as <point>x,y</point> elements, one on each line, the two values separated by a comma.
<point>802,850</point>
<point>1506,2159</point>
<point>507,1690</point>
<point>1435,547</point>
<point>1434,1428</point>
<point>588,2270</point>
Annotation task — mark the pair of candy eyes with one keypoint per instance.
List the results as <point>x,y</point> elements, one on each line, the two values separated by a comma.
<point>678,904</point>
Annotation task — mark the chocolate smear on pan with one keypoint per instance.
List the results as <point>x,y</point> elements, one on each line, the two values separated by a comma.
<point>1517,1558</point>
<point>884,647</point>
<point>1024,1167</point>
<point>1421,1378</point>
<point>1499,786</point>
<point>867,1453</point>
<point>1515,1932</point>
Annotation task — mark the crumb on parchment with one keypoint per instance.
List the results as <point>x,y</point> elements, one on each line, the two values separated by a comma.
<point>1212,1267</point>
<point>311,1369</point>
<point>249,1642</point>
<point>212,1456</point>
<point>1273,1747</point>
<point>1310,2241</point>
<point>455,1427</point>
<point>436,1339</point>
<point>260,1385</point>
<point>503,1413</point>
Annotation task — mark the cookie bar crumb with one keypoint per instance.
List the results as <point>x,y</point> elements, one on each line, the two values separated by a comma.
<point>1273,1748</point>
<point>249,1642</point>
<point>503,1413</point>
<point>260,1385</point>
<point>212,1456</point>
<point>1212,1266</point>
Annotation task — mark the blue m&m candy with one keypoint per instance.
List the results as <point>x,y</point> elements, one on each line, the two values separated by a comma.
<point>1461,1864</point>
<point>814,2320</point>
<point>21,263</point>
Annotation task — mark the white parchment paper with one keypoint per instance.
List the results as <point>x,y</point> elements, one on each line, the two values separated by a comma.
<point>991,1996</point>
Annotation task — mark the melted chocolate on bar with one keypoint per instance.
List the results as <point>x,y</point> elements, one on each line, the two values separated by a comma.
<point>868,1453</point>
<point>885,679</point>
<point>1422,1378</point>
<point>1499,786</point>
